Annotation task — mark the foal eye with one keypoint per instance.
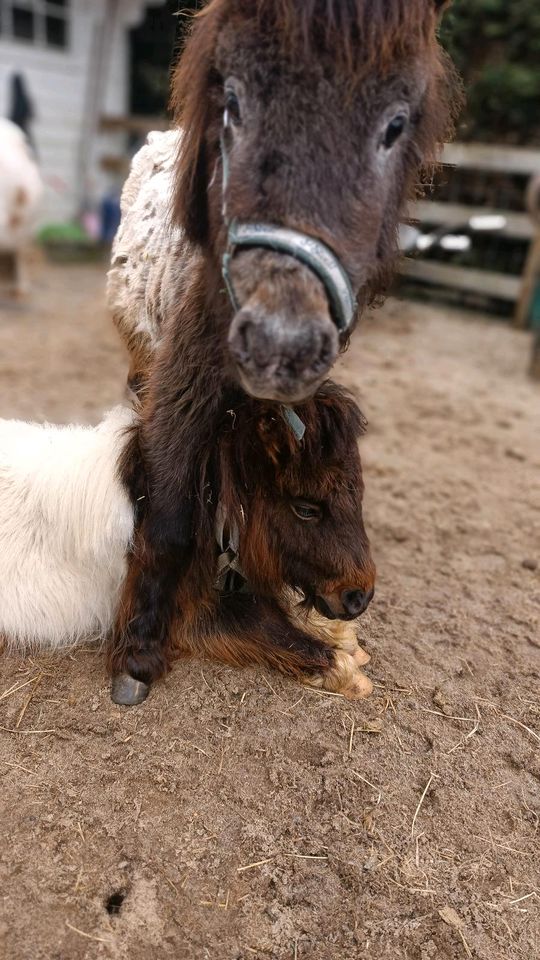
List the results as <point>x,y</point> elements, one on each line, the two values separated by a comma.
<point>232,108</point>
<point>305,510</point>
<point>394,130</point>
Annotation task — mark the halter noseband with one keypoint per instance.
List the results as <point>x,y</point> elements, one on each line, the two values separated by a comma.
<point>314,254</point>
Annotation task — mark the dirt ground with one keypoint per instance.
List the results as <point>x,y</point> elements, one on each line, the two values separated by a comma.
<point>236,815</point>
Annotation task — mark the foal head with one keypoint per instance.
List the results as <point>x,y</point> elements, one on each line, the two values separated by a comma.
<point>298,503</point>
<point>323,113</point>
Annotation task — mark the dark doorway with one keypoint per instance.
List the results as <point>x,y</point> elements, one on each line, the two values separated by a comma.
<point>153,47</point>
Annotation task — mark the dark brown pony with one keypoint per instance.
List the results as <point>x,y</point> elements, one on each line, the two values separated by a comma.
<point>317,116</point>
<point>293,511</point>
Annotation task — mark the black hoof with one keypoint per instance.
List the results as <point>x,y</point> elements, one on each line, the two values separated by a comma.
<point>127,691</point>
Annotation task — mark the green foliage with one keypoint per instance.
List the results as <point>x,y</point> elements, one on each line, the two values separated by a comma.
<point>495,45</point>
<point>61,233</point>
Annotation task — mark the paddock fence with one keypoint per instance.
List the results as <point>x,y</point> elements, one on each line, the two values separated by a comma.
<point>501,269</point>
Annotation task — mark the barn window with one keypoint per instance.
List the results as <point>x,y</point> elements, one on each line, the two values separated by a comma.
<point>23,23</point>
<point>44,23</point>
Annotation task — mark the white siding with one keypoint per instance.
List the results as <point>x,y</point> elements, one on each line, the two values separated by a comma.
<point>59,84</point>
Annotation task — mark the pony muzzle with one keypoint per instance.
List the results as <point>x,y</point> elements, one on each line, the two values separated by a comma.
<point>304,249</point>
<point>345,604</point>
<point>282,337</point>
<point>293,303</point>
<point>279,356</point>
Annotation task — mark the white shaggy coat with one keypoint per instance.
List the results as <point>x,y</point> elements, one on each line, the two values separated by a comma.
<point>66,523</point>
<point>151,259</point>
<point>21,188</point>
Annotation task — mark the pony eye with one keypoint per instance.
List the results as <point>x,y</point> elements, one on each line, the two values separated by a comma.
<point>305,510</point>
<point>232,108</point>
<point>394,130</point>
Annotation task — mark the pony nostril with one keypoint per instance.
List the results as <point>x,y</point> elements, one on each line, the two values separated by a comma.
<point>240,337</point>
<point>249,342</point>
<point>356,601</point>
<point>310,352</point>
<point>327,352</point>
<point>243,337</point>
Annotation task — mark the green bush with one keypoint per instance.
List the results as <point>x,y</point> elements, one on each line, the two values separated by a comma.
<point>495,45</point>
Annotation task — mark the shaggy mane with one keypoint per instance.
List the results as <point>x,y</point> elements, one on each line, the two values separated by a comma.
<point>365,34</point>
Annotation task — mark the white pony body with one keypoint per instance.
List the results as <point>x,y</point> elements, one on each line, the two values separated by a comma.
<point>21,188</point>
<point>66,523</point>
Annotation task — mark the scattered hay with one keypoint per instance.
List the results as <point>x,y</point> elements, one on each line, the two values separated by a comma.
<point>433,777</point>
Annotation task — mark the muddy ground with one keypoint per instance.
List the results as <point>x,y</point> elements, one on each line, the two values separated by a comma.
<point>236,815</point>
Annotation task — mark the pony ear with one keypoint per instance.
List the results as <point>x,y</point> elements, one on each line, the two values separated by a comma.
<point>339,414</point>
<point>191,104</point>
<point>276,438</point>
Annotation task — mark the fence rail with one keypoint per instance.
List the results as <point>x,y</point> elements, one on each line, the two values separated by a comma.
<point>490,162</point>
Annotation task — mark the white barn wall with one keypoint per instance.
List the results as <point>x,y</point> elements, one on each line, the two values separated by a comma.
<point>58,82</point>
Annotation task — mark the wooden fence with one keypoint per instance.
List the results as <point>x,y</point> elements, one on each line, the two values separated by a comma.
<point>503,174</point>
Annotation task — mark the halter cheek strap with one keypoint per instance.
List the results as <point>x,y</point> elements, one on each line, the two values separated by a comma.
<point>230,576</point>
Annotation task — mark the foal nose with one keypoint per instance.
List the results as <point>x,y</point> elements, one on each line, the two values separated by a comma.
<point>356,601</point>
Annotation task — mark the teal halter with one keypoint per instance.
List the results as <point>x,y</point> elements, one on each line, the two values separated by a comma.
<point>313,253</point>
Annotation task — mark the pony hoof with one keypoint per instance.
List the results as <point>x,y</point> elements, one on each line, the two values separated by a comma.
<point>127,691</point>
<point>360,688</point>
<point>361,657</point>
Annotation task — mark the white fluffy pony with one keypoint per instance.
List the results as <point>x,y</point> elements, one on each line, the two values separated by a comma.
<point>66,523</point>
<point>21,192</point>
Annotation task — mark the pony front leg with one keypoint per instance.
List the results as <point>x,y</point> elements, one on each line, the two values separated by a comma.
<point>345,675</point>
<point>167,472</point>
<point>140,650</point>
<point>170,474</point>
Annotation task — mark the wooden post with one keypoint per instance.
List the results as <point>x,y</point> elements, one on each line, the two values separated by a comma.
<point>529,302</point>
<point>531,274</point>
<point>8,271</point>
<point>534,368</point>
